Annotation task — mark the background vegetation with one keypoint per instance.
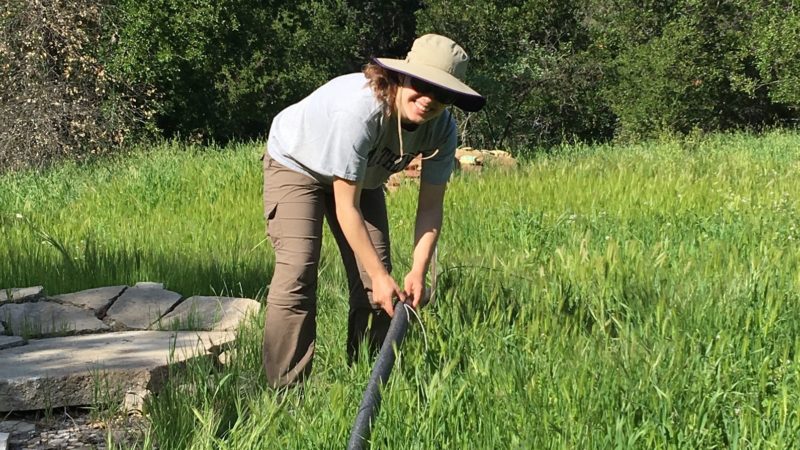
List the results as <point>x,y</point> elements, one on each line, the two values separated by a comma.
<point>81,76</point>
<point>639,296</point>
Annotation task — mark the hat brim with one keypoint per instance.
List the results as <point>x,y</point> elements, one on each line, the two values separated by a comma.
<point>466,97</point>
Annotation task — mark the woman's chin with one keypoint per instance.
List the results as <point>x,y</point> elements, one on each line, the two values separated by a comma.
<point>416,116</point>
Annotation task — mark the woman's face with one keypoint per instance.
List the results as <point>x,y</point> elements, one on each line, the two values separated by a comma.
<point>417,103</point>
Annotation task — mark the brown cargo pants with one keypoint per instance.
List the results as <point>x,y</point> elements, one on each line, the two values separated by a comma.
<point>294,206</point>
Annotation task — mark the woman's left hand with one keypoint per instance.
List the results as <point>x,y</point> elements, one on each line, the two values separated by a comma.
<point>415,288</point>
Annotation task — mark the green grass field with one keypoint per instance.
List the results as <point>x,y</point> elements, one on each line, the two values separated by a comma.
<point>603,297</point>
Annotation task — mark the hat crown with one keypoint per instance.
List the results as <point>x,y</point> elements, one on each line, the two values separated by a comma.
<point>441,53</point>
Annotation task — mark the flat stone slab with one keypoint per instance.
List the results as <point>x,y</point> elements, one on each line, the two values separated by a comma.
<point>96,299</point>
<point>49,373</point>
<point>11,341</point>
<point>16,427</point>
<point>208,313</point>
<point>16,433</point>
<point>39,319</point>
<point>17,295</point>
<point>139,307</point>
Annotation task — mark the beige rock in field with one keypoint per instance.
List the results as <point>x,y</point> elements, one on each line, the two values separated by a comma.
<point>467,159</point>
<point>472,160</point>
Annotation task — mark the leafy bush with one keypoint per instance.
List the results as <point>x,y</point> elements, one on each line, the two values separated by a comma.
<point>56,98</point>
<point>591,69</point>
<point>676,66</point>
<point>773,37</point>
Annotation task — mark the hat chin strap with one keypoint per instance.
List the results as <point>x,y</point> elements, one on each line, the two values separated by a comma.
<point>399,135</point>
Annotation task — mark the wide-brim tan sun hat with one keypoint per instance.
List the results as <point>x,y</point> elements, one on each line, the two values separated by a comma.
<point>440,61</point>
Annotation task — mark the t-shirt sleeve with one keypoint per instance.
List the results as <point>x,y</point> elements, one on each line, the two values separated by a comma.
<point>345,147</point>
<point>437,169</point>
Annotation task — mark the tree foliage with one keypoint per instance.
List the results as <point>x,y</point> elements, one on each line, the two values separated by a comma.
<point>591,69</point>
<point>223,68</point>
<point>81,76</point>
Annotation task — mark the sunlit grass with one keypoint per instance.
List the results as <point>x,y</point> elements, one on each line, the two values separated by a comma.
<point>188,218</point>
<point>635,297</point>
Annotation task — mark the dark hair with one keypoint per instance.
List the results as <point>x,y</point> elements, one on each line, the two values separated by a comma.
<point>384,85</point>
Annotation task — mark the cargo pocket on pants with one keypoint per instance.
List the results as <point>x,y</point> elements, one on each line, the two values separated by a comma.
<point>269,213</point>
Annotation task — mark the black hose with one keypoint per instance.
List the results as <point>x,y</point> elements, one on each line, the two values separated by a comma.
<point>371,402</point>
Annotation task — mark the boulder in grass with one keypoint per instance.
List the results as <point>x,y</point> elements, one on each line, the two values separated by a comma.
<point>472,160</point>
<point>499,158</point>
<point>414,168</point>
<point>467,159</point>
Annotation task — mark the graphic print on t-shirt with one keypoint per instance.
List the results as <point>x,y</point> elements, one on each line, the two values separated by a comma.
<point>389,160</point>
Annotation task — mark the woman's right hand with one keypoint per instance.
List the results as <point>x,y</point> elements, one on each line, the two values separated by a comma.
<point>384,291</point>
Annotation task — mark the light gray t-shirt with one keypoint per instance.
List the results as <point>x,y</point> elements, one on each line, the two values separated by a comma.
<point>340,131</point>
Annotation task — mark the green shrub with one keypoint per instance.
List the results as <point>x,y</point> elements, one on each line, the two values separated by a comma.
<point>588,70</point>
<point>534,63</point>
<point>224,68</point>
<point>773,37</point>
<point>681,66</point>
<point>668,83</point>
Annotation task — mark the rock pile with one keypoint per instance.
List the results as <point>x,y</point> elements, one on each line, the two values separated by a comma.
<point>467,159</point>
<point>470,159</point>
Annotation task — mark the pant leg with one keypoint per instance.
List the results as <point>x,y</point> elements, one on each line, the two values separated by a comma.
<point>293,206</point>
<point>365,318</point>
